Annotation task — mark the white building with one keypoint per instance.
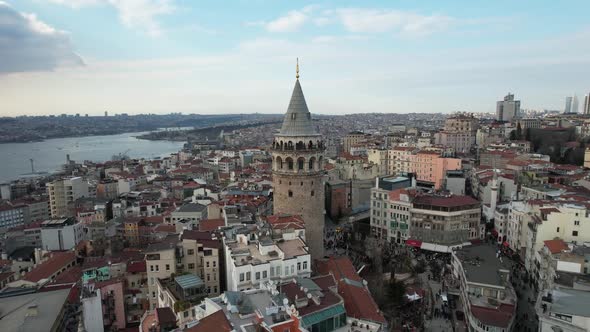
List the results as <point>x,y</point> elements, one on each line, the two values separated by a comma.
<point>61,234</point>
<point>251,260</point>
<point>564,310</point>
<point>483,282</point>
<point>92,309</point>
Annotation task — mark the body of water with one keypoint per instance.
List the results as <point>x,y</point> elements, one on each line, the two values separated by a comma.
<point>50,154</point>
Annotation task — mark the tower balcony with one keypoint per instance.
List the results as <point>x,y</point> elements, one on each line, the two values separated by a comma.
<point>299,146</point>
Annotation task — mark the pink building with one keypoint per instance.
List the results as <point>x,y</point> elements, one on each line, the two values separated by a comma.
<point>430,167</point>
<point>113,303</point>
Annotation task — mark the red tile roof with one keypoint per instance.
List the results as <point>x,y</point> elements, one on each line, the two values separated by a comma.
<point>340,267</point>
<point>556,246</point>
<point>449,201</point>
<point>209,225</point>
<point>57,261</point>
<point>284,221</point>
<point>214,322</point>
<point>495,317</point>
<point>135,267</point>
<point>195,235</point>
<point>359,303</point>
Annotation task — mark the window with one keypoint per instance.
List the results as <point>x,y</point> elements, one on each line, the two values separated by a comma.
<point>191,266</point>
<point>299,266</point>
<point>264,274</point>
<point>207,264</point>
<point>278,270</point>
<point>305,265</point>
<point>248,275</point>
<point>292,269</point>
<point>575,233</point>
<point>190,252</point>
<point>290,193</point>
<point>257,275</point>
<point>167,267</point>
<point>154,295</point>
<point>208,277</point>
<point>152,268</point>
<point>157,267</point>
<point>312,193</point>
<point>557,229</point>
<point>214,263</point>
<point>577,223</point>
<point>185,314</point>
<point>241,277</point>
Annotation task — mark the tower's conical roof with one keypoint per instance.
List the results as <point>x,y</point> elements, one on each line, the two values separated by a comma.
<point>297,120</point>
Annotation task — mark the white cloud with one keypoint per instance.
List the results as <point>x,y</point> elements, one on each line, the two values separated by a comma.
<point>387,20</point>
<point>288,23</point>
<point>28,44</point>
<point>360,20</point>
<point>136,14</point>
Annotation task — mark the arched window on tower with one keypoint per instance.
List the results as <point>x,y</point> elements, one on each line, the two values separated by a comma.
<point>311,163</point>
<point>310,145</point>
<point>300,163</point>
<point>279,163</point>
<point>289,161</point>
<point>290,193</point>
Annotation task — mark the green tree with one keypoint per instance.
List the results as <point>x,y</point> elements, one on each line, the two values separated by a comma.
<point>518,131</point>
<point>396,290</point>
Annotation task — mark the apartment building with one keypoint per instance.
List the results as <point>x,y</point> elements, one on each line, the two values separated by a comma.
<point>459,132</point>
<point>390,214</point>
<point>161,263</point>
<point>567,221</point>
<point>63,193</point>
<point>252,259</point>
<point>61,234</point>
<point>482,279</point>
<point>442,221</point>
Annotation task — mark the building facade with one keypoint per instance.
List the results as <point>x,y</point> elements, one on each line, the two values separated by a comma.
<point>508,108</point>
<point>64,192</point>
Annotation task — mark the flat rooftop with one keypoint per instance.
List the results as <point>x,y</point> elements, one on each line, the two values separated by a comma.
<point>481,264</point>
<point>17,310</point>
<point>571,302</point>
<point>244,254</point>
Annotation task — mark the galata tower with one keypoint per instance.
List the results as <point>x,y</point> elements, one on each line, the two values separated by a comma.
<point>297,154</point>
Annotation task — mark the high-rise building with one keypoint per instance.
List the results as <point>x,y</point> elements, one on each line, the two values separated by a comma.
<point>508,108</point>
<point>64,192</point>
<point>574,104</point>
<point>568,105</point>
<point>297,152</point>
<point>586,109</point>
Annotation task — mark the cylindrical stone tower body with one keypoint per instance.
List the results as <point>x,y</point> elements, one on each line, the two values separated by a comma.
<point>297,154</point>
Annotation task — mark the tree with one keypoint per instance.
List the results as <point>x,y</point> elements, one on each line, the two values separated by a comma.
<point>518,131</point>
<point>513,135</point>
<point>396,290</point>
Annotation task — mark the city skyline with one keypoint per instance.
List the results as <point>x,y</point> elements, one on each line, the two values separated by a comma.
<point>142,56</point>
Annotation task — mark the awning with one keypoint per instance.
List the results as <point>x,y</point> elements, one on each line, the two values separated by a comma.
<point>434,247</point>
<point>414,243</point>
<point>506,244</point>
<point>494,233</point>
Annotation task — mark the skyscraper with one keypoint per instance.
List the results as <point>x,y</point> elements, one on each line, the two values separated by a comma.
<point>508,108</point>
<point>568,105</point>
<point>297,152</point>
<point>574,104</point>
<point>586,109</point>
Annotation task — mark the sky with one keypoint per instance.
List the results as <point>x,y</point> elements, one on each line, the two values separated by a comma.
<point>208,57</point>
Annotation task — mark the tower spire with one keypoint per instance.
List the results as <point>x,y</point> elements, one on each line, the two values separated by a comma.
<point>297,70</point>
